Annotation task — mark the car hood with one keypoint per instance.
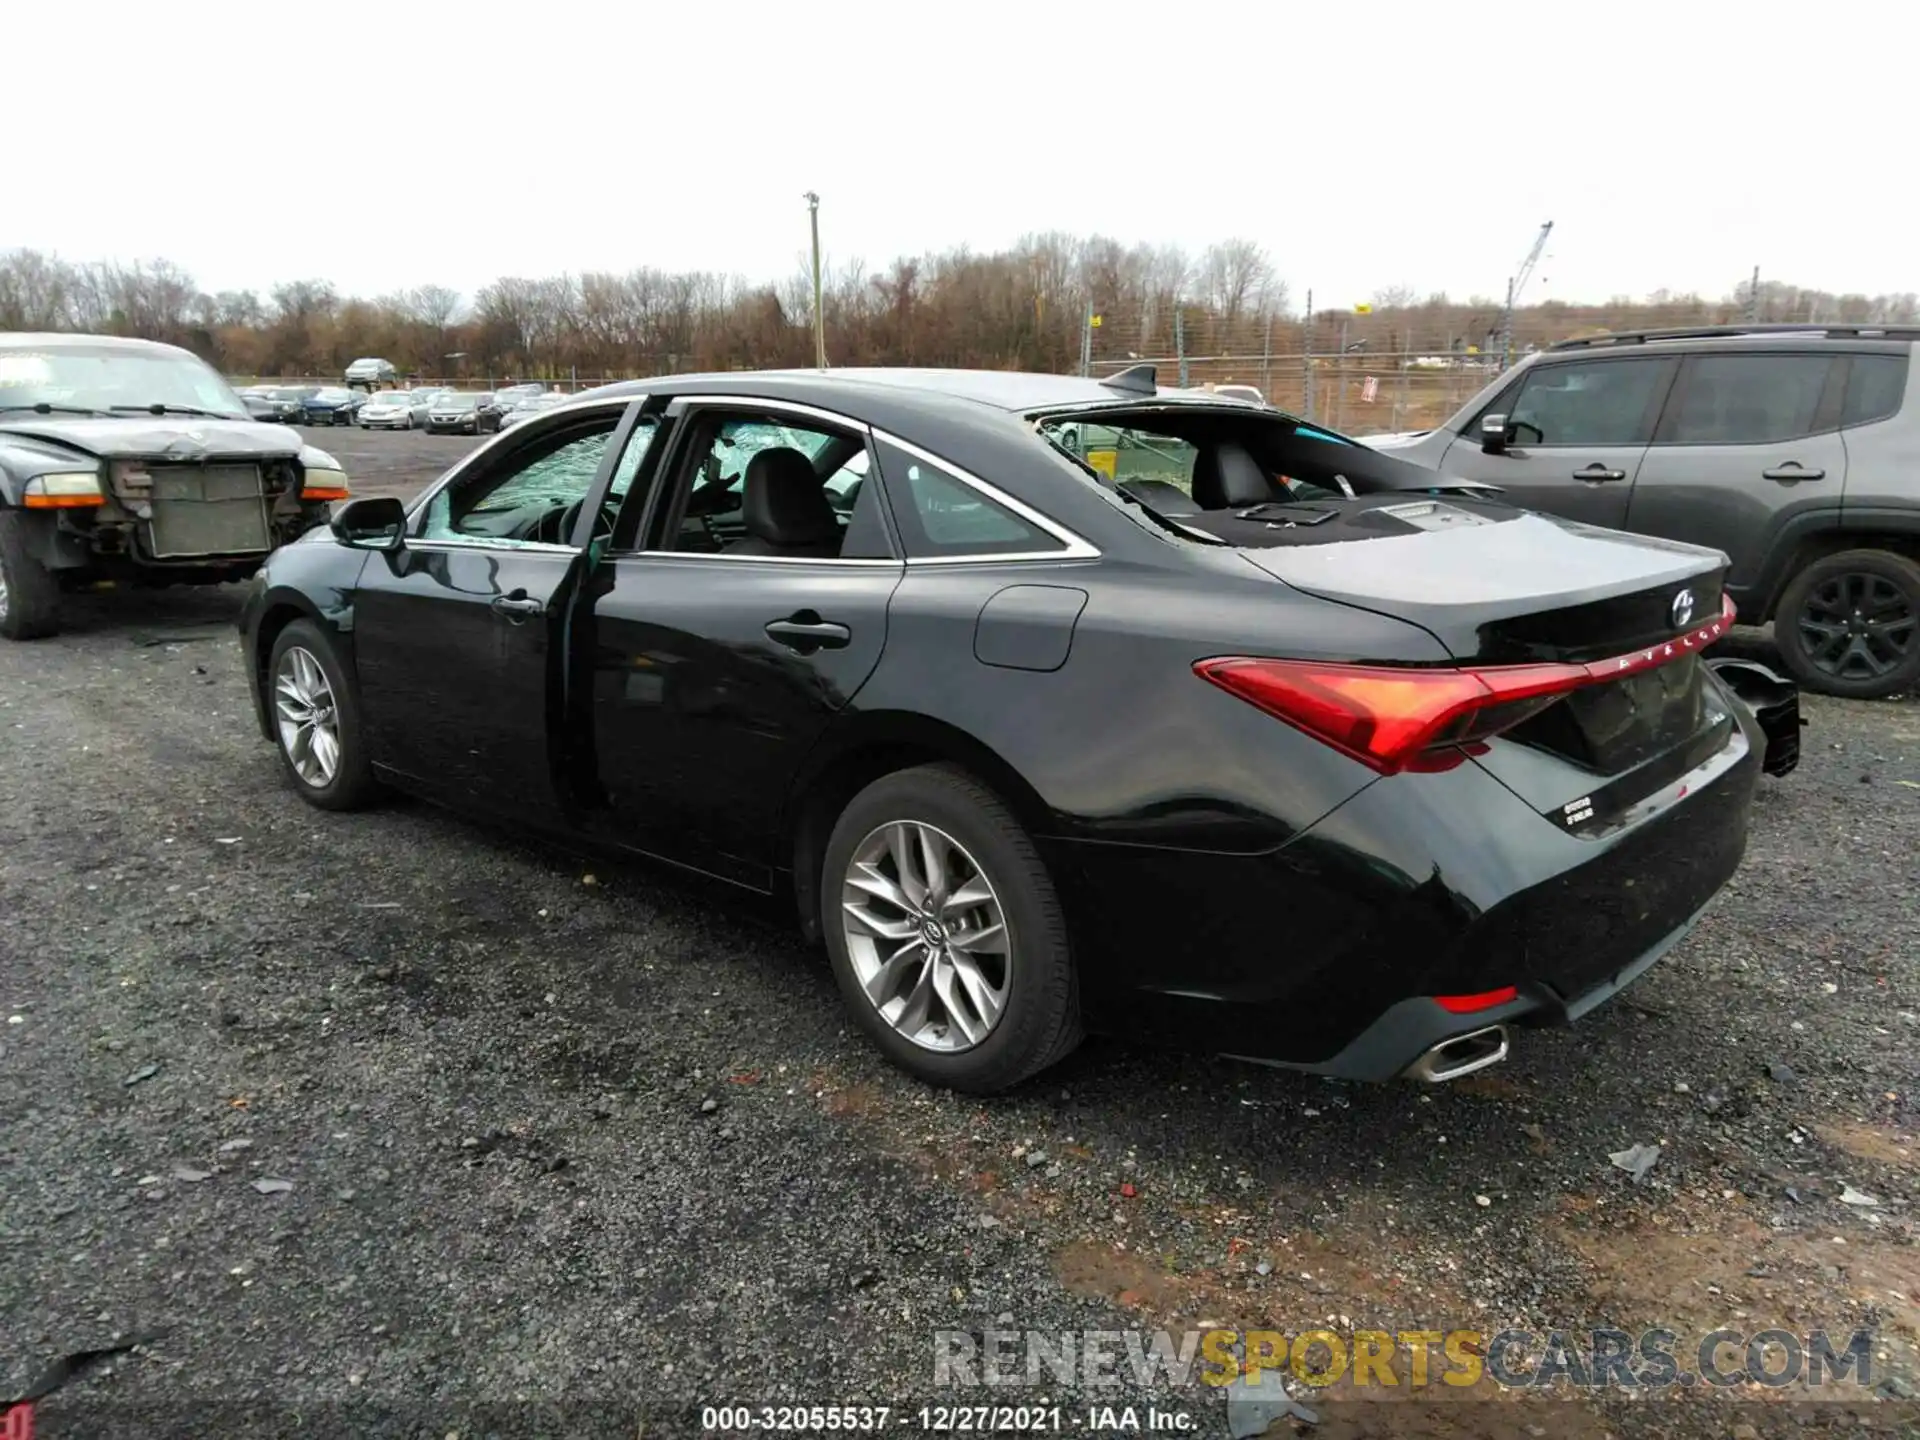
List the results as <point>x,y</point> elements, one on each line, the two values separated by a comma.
<point>170,438</point>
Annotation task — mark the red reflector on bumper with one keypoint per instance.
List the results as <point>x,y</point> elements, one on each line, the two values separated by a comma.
<point>1469,1004</point>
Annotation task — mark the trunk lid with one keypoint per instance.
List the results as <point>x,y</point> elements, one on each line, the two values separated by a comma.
<point>1497,587</point>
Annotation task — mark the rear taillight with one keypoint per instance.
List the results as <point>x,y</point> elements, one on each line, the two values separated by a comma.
<point>1389,718</point>
<point>1393,718</point>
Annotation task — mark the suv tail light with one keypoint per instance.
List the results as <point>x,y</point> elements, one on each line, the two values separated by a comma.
<point>1395,719</point>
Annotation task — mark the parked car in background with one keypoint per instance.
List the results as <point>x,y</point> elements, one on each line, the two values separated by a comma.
<point>333,405</point>
<point>131,461</point>
<point>508,397</point>
<point>529,406</point>
<point>454,412</point>
<point>1793,449</point>
<point>259,402</point>
<point>488,412</point>
<point>1399,772</point>
<point>289,402</point>
<point>371,373</point>
<point>397,409</point>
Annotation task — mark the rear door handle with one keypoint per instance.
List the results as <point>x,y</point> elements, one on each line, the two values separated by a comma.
<point>518,605</point>
<point>1792,470</point>
<point>807,632</point>
<point>1597,471</point>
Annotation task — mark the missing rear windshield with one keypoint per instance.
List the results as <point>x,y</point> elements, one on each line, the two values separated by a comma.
<point>1182,462</point>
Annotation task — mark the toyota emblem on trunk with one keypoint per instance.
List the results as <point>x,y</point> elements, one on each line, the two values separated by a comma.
<point>1682,609</point>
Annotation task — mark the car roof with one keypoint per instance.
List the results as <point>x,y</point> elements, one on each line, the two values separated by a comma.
<point>1756,336</point>
<point>49,340</point>
<point>898,395</point>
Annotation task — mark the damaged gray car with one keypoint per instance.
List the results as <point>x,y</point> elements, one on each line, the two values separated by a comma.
<point>131,461</point>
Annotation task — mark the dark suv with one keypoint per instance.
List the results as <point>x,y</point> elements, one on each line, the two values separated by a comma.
<point>1794,449</point>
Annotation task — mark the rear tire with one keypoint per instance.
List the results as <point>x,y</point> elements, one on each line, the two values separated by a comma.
<point>29,592</point>
<point>301,653</point>
<point>1849,625</point>
<point>1038,1017</point>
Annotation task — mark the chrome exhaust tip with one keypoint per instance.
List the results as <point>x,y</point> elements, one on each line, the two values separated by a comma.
<point>1462,1055</point>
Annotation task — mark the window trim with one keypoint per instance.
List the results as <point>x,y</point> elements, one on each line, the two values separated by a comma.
<point>1073,546</point>
<point>558,415</point>
<point>680,410</point>
<point>1826,408</point>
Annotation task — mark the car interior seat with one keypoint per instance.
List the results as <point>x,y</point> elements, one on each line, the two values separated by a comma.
<point>785,510</point>
<point>1227,477</point>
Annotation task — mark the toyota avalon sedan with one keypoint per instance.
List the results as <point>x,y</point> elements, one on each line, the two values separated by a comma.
<point>1253,749</point>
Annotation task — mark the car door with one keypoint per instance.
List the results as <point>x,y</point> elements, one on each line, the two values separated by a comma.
<point>1749,441</point>
<point>713,671</point>
<point>1578,429</point>
<point>457,634</point>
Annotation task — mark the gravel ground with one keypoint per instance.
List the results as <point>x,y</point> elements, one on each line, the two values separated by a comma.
<point>551,1130</point>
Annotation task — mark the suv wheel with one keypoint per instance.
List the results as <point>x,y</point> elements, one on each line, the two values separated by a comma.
<point>947,939</point>
<point>1849,624</point>
<point>29,594</point>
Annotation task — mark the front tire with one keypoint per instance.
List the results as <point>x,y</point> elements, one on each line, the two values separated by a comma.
<point>1849,625</point>
<point>945,932</point>
<point>29,593</point>
<point>316,721</point>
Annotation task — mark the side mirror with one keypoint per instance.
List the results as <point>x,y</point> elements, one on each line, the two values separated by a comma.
<point>379,522</point>
<point>1495,433</point>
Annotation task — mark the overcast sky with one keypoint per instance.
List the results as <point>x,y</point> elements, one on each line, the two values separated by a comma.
<point>1364,145</point>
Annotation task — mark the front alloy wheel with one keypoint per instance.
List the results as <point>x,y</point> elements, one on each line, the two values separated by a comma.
<point>307,717</point>
<point>947,938</point>
<point>316,720</point>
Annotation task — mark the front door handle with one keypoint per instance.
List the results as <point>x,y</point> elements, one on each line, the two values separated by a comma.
<point>806,632</point>
<point>1792,470</point>
<point>517,606</point>
<point>1597,471</point>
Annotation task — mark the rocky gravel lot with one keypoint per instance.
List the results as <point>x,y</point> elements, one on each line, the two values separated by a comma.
<point>390,1124</point>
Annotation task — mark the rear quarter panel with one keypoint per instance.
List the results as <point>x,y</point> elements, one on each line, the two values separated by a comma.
<point>1122,743</point>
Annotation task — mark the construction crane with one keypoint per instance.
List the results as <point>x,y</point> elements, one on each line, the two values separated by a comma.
<point>1514,287</point>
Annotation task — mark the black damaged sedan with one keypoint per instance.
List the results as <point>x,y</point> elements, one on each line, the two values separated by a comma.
<point>1222,732</point>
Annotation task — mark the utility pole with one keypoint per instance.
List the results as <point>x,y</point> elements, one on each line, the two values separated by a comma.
<point>1753,298</point>
<point>819,310</point>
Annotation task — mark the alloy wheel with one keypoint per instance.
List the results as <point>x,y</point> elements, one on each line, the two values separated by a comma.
<point>927,936</point>
<point>1857,626</point>
<point>3,594</point>
<point>308,718</point>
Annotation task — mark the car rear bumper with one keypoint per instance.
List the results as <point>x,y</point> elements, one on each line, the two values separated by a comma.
<point>1327,954</point>
<point>1418,1038</point>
